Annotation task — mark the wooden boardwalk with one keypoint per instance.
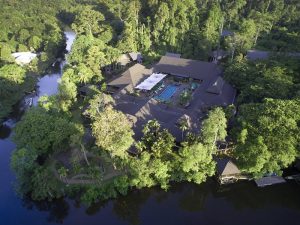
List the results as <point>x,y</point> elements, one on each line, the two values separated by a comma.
<point>266,181</point>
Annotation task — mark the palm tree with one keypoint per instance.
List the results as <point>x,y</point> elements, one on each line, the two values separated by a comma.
<point>184,125</point>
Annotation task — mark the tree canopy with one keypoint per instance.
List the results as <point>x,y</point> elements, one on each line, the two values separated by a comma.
<point>269,135</point>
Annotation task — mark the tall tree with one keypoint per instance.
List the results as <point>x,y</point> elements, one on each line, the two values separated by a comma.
<point>43,132</point>
<point>88,21</point>
<point>214,128</point>
<point>195,163</point>
<point>269,135</point>
<point>156,140</point>
<point>113,132</point>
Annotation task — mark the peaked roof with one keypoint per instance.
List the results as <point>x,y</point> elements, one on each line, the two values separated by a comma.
<point>124,59</point>
<point>132,76</point>
<point>227,167</point>
<point>216,87</point>
<point>175,55</point>
<point>135,56</point>
<point>187,68</point>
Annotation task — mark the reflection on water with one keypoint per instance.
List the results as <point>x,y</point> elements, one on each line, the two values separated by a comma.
<point>48,84</point>
<point>57,210</point>
<point>5,131</point>
<point>70,36</point>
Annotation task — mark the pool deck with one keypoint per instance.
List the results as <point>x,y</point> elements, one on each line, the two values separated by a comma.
<point>167,93</point>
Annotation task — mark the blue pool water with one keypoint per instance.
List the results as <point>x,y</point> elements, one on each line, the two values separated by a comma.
<point>167,93</point>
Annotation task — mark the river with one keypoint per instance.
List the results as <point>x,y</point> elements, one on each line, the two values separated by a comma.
<point>183,204</point>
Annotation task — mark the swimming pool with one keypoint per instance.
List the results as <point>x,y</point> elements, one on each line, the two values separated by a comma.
<point>167,93</point>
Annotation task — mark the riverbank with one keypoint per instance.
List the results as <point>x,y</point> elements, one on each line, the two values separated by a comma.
<point>40,70</point>
<point>182,204</point>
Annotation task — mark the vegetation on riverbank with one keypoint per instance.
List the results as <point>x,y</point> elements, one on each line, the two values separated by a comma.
<point>21,31</point>
<point>53,138</point>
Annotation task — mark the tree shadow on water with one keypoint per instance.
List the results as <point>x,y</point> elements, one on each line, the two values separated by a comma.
<point>57,210</point>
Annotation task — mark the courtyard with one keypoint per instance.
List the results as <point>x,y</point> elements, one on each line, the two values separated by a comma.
<point>173,89</point>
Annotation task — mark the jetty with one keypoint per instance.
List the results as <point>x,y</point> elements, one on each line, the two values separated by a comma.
<point>271,180</point>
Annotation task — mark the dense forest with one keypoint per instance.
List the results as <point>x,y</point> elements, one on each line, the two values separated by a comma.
<point>264,134</point>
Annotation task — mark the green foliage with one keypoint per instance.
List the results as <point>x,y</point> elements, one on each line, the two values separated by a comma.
<point>195,163</point>
<point>268,135</point>
<point>23,29</point>
<point>267,132</point>
<point>32,178</point>
<point>185,97</point>
<point>67,92</point>
<point>13,84</point>
<point>88,55</point>
<point>94,193</point>
<point>155,140</point>
<point>88,21</point>
<point>42,132</point>
<point>214,128</point>
<point>147,172</point>
<point>266,79</point>
<point>45,185</point>
<point>23,163</point>
<point>113,132</point>
<point>98,104</point>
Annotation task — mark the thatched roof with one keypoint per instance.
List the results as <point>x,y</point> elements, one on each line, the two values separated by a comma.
<point>131,77</point>
<point>135,56</point>
<point>226,167</point>
<point>123,60</point>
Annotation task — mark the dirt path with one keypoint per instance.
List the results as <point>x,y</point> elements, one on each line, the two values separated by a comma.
<point>84,178</point>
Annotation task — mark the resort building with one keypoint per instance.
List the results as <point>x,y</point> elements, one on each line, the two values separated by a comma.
<point>23,58</point>
<point>173,89</point>
<point>263,55</point>
<point>128,58</point>
<point>227,171</point>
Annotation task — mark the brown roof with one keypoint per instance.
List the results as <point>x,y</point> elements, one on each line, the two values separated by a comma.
<point>227,167</point>
<point>216,87</point>
<point>131,77</point>
<point>187,68</point>
<point>135,56</point>
<point>175,55</point>
<point>124,59</point>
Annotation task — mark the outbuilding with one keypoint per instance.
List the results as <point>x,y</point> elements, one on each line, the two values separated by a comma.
<point>227,171</point>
